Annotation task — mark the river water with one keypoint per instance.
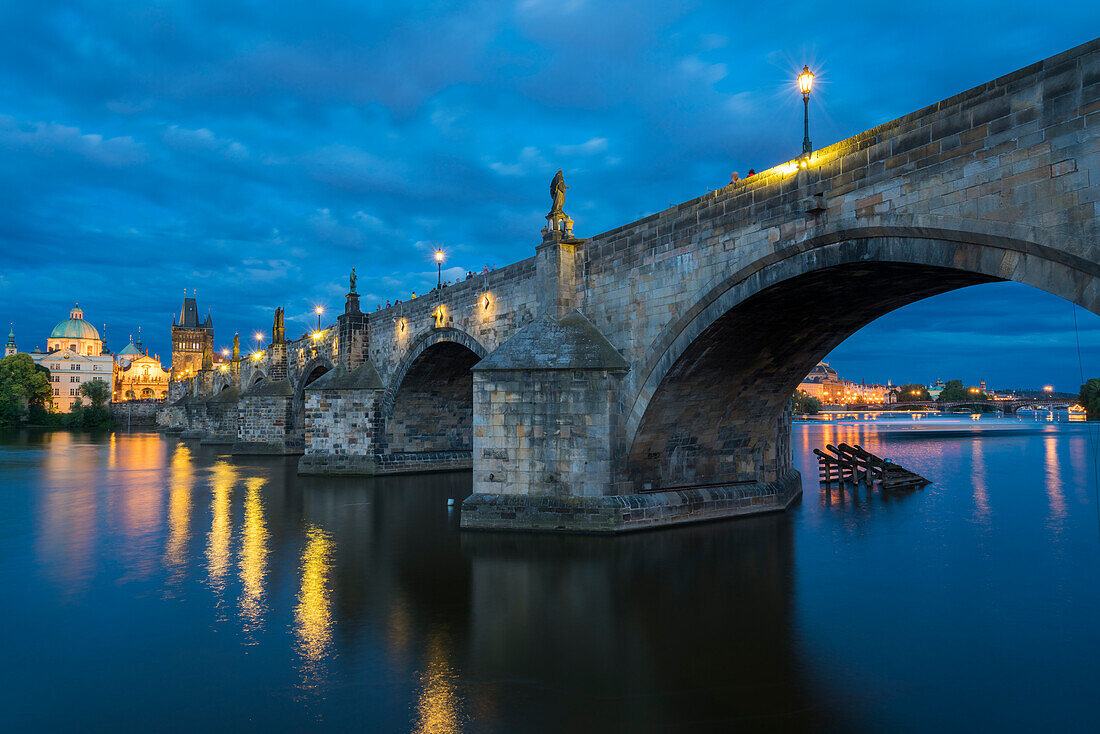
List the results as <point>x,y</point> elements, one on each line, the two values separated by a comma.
<point>150,583</point>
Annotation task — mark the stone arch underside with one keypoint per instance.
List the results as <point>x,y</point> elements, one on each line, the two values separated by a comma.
<point>711,407</point>
<point>430,408</point>
<point>313,370</point>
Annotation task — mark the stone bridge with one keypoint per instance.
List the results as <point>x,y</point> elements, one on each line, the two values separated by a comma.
<point>643,376</point>
<point>1008,407</point>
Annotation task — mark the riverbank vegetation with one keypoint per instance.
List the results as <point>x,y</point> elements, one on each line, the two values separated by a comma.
<point>805,404</point>
<point>26,396</point>
<point>25,390</point>
<point>1090,399</point>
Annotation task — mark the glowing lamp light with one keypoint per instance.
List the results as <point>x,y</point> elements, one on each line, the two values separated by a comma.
<point>320,309</point>
<point>225,352</point>
<point>805,80</point>
<point>486,304</point>
<point>1048,388</point>
<point>439,256</point>
<point>316,335</point>
<point>259,336</point>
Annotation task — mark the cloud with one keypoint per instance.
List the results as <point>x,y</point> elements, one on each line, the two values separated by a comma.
<point>258,151</point>
<point>592,146</point>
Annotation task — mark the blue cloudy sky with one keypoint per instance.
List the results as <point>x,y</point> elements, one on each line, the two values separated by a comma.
<point>255,151</point>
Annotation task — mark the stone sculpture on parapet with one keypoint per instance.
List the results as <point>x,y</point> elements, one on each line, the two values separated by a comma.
<point>352,280</point>
<point>207,357</point>
<point>278,329</point>
<point>558,223</point>
<point>236,347</point>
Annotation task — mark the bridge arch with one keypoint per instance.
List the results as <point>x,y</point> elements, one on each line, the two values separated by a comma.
<point>708,407</point>
<point>312,370</point>
<point>257,376</point>
<point>428,404</point>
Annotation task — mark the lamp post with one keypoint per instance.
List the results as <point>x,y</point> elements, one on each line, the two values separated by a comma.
<point>439,263</point>
<point>320,310</point>
<point>805,84</point>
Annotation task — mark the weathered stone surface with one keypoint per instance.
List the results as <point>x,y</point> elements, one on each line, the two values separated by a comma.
<point>625,513</point>
<point>689,328</point>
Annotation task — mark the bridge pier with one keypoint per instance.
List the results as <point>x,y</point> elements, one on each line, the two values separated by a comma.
<point>342,422</point>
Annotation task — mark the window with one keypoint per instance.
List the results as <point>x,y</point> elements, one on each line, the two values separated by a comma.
<point>56,391</point>
<point>74,366</point>
<point>72,391</point>
<point>72,347</point>
<point>74,378</point>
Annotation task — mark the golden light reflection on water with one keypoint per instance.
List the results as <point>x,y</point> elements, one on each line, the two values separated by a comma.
<point>181,484</point>
<point>1055,491</point>
<point>438,709</point>
<point>313,615</point>
<point>224,475</point>
<point>253,557</point>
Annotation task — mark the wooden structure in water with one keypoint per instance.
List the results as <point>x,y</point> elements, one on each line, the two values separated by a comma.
<point>856,465</point>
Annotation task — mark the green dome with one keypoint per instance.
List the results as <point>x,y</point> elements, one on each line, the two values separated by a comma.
<point>129,351</point>
<point>75,327</point>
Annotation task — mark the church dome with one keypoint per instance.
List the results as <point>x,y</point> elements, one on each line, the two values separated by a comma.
<point>129,351</point>
<point>822,372</point>
<point>75,327</point>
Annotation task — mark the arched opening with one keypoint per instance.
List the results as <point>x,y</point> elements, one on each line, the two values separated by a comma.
<point>312,373</point>
<point>718,414</point>
<point>433,407</point>
<point>147,393</point>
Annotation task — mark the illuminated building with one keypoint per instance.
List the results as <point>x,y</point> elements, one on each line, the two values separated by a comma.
<point>826,385</point>
<point>189,338</point>
<point>139,376</point>
<point>74,355</point>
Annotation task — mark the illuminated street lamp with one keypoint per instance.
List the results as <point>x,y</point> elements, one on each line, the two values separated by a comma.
<point>439,263</point>
<point>805,84</point>
<point>1048,388</point>
<point>259,336</point>
<point>320,310</point>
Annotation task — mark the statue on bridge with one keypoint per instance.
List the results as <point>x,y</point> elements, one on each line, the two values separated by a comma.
<point>557,196</point>
<point>352,281</point>
<point>278,329</point>
<point>237,347</point>
<point>207,357</point>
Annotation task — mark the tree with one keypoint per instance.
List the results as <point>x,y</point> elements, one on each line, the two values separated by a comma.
<point>1090,399</point>
<point>954,392</point>
<point>912,392</point>
<point>97,391</point>
<point>805,404</point>
<point>23,386</point>
<point>95,413</point>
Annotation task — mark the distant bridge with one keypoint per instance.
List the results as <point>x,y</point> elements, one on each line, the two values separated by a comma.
<point>1008,407</point>
<point>643,376</point>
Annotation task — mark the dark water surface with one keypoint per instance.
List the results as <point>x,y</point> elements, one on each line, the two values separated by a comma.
<point>149,583</point>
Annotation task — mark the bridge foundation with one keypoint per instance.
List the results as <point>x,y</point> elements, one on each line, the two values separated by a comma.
<point>342,422</point>
<point>265,420</point>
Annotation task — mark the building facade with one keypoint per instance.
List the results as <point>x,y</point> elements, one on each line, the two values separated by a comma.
<point>74,355</point>
<point>137,376</point>
<point>10,348</point>
<point>826,385</point>
<point>189,338</point>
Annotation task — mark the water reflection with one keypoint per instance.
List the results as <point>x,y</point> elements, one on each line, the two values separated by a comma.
<point>1055,491</point>
<point>223,475</point>
<point>313,616</point>
<point>438,710</point>
<point>253,557</point>
<point>69,508</point>
<point>981,491</point>
<point>181,482</point>
<point>360,602</point>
